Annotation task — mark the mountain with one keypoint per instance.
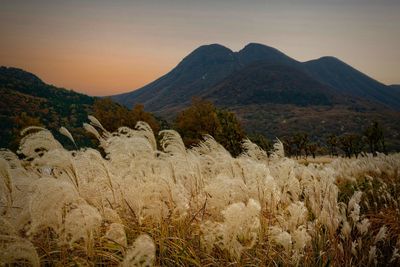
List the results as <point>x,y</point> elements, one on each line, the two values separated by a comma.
<point>347,80</point>
<point>254,52</point>
<point>272,99</point>
<point>26,99</point>
<point>262,83</point>
<point>280,100</point>
<point>273,93</point>
<point>208,65</point>
<point>395,86</point>
<point>196,73</point>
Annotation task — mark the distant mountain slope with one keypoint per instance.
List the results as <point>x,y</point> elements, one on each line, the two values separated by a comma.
<point>196,73</point>
<point>280,100</point>
<point>23,95</point>
<point>279,120</point>
<point>274,94</point>
<point>262,83</point>
<point>274,100</point>
<point>208,65</point>
<point>346,79</point>
<point>395,86</point>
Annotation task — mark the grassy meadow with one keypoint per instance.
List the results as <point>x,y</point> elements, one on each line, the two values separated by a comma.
<point>142,200</point>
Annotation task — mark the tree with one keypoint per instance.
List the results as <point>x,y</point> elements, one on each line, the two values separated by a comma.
<point>312,148</point>
<point>300,141</point>
<point>138,114</point>
<point>196,121</point>
<point>357,143</point>
<point>202,118</point>
<point>112,115</point>
<point>375,138</point>
<point>351,144</point>
<point>288,146</point>
<point>332,142</point>
<point>231,134</point>
<point>345,143</point>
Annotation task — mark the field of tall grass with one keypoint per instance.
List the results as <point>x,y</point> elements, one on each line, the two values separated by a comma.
<point>142,201</point>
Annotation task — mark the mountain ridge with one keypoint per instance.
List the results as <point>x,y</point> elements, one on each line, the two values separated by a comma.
<point>207,65</point>
<point>395,86</point>
<point>61,107</point>
<point>25,100</point>
<point>262,82</point>
<point>346,79</point>
<point>274,94</point>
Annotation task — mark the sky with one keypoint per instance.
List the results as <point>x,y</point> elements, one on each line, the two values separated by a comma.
<point>109,47</point>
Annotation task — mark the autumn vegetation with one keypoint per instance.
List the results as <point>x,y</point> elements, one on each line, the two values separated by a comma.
<point>142,199</point>
<point>86,181</point>
<point>29,101</point>
<point>114,115</point>
<point>204,118</point>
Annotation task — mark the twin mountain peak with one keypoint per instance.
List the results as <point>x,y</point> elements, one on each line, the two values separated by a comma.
<point>259,74</point>
<point>270,92</point>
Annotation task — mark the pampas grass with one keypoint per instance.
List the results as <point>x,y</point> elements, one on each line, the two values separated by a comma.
<point>143,203</point>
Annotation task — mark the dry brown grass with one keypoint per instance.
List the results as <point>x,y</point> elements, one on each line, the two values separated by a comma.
<point>316,160</point>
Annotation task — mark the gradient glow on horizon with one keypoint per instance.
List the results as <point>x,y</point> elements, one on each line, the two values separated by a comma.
<point>110,47</point>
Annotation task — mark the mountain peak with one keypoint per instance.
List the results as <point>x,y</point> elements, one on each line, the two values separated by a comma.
<point>253,52</point>
<point>214,46</point>
<point>207,53</point>
<point>209,64</point>
<point>330,59</point>
<point>210,49</point>
<point>204,62</point>
<point>251,46</point>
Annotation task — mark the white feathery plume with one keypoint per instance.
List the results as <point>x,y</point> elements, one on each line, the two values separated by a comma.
<point>11,158</point>
<point>30,128</point>
<point>82,222</point>
<point>94,121</point>
<point>35,144</point>
<point>116,233</point>
<point>141,253</point>
<point>278,152</point>
<point>172,142</point>
<point>64,131</point>
<point>91,130</point>
<point>239,230</point>
<point>253,151</point>
<point>281,237</point>
<point>381,235</point>
<point>16,251</point>
<point>209,145</point>
<point>48,203</point>
<point>145,129</point>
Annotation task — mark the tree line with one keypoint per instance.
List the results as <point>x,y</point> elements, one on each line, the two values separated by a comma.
<point>200,119</point>
<point>371,140</point>
<point>204,118</point>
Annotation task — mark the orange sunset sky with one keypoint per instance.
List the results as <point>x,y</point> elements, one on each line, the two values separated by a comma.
<point>110,47</point>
